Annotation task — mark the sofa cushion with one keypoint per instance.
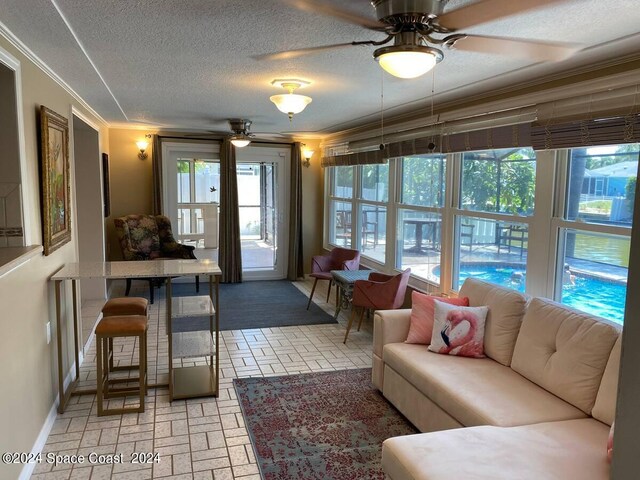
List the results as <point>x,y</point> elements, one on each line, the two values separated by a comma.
<point>476,391</point>
<point>564,351</point>
<point>605,407</point>
<point>458,330</point>
<point>506,309</point>
<point>571,449</point>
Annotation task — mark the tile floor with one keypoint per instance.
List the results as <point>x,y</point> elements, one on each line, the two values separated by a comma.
<point>195,439</point>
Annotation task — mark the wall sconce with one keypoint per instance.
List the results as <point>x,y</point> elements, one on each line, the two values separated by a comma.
<point>307,154</point>
<point>142,146</point>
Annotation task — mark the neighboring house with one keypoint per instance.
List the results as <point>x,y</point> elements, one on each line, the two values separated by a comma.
<point>609,181</point>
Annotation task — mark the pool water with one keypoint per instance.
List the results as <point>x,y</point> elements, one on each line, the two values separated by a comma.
<point>598,297</point>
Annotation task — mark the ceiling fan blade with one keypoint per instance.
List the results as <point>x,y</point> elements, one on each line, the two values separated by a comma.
<point>535,50</point>
<point>268,134</point>
<point>488,10</point>
<point>203,135</point>
<point>299,52</point>
<point>317,6</point>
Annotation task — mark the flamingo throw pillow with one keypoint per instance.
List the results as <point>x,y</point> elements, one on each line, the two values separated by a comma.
<point>458,330</point>
<point>422,314</point>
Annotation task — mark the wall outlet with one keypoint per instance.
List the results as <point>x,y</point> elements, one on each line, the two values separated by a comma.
<point>48,333</point>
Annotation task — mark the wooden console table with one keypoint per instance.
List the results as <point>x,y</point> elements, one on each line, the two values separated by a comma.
<point>142,269</point>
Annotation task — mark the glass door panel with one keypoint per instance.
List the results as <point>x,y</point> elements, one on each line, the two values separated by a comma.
<point>261,192</point>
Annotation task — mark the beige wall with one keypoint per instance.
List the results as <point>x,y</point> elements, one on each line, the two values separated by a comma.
<point>27,364</point>
<point>312,205</point>
<point>131,181</point>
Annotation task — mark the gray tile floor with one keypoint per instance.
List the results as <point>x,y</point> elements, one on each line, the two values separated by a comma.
<point>201,438</point>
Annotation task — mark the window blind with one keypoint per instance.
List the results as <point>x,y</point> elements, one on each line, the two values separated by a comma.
<point>586,133</point>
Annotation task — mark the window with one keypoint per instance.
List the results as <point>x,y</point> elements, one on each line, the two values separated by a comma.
<point>198,183</point>
<point>372,211</point>
<point>14,226</point>
<point>594,232</point>
<point>491,250</point>
<point>601,184</point>
<point>419,226</point>
<point>497,194</point>
<point>340,206</point>
<point>375,183</point>
<point>423,180</point>
<point>499,181</point>
<point>360,219</point>
<point>475,214</point>
<point>593,273</point>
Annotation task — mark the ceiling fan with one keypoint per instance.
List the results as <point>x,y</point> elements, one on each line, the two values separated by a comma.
<point>240,134</point>
<point>418,27</point>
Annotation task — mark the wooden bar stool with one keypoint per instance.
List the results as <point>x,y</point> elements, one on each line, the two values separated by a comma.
<point>120,307</point>
<point>107,329</point>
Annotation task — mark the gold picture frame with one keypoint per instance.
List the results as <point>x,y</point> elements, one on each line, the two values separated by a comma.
<point>54,180</point>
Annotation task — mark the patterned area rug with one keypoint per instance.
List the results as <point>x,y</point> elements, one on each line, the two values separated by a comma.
<point>323,426</point>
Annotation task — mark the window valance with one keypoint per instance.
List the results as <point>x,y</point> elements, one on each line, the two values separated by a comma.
<point>587,133</point>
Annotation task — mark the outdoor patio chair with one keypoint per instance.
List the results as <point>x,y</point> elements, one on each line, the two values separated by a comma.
<point>338,259</point>
<point>369,228</point>
<point>515,236</point>
<point>466,231</point>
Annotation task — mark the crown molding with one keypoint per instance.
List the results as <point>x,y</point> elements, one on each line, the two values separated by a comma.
<point>33,58</point>
<point>613,73</point>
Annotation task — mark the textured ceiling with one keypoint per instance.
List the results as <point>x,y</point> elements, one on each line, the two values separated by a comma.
<point>188,63</point>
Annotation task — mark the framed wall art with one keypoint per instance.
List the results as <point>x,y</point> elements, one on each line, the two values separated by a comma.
<point>54,180</point>
<point>105,185</point>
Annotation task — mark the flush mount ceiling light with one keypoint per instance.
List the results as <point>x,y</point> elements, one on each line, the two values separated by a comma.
<point>409,57</point>
<point>290,103</point>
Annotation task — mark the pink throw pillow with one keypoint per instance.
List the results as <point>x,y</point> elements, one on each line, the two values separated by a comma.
<point>422,313</point>
<point>610,443</point>
<point>458,330</point>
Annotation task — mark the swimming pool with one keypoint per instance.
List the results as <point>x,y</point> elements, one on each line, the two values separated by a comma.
<point>598,297</point>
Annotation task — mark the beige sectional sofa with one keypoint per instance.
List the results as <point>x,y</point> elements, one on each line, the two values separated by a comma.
<point>539,406</point>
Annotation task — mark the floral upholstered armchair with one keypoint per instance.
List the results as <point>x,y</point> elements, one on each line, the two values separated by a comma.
<point>149,237</point>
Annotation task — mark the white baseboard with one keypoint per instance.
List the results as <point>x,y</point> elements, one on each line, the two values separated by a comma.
<point>40,442</point>
<point>28,468</point>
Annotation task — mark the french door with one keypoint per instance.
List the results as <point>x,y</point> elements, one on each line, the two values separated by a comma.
<point>263,194</point>
<point>191,192</point>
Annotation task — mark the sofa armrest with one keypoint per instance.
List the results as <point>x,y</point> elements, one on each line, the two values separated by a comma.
<point>390,326</point>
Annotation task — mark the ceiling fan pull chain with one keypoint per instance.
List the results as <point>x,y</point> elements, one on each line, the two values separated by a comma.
<point>381,110</point>
<point>432,144</point>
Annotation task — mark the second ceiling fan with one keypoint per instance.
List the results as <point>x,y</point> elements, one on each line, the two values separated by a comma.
<point>416,28</point>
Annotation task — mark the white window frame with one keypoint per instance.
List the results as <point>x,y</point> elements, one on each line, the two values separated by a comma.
<point>27,190</point>
<point>545,224</point>
<point>559,223</point>
<point>421,282</point>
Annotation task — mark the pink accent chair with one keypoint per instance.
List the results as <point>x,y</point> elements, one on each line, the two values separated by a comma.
<point>338,259</point>
<point>380,292</point>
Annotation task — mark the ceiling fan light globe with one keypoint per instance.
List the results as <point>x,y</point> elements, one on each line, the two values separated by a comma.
<point>290,103</point>
<point>240,141</point>
<point>408,61</point>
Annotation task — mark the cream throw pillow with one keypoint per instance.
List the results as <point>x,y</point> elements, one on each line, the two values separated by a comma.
<point>458,330</point>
